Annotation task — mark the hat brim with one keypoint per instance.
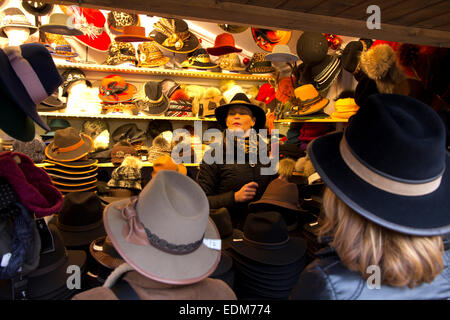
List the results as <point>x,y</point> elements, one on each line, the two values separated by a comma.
<point>291,252</point>
<point>121,97</point>
<point>77,189</point>
<point>75,164</point>
<point>71,155</point>
<point>43,108</point>
<point>60,29</point>
<point>282,57</point>
<point>58,182</point>
<point>191,44</point>
<point>221,114</point>
<point>220,51</point>
<point>132,38</point>
<point>32,29</point>
<point>315,107</point>
<point>99,43</point>
<point>261,70</point>
<point>70,55</point>
<point>72,177</point>
<point>419,215</point>
<point>277,203</point>
<point>70,171</point>
<point>199,65</point>
<point>159,265</point>
<point>155,63</point>
<point>104,259</point>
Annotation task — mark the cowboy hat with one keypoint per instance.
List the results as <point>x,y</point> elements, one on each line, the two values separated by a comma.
<point>145,230</point>
<point>69,145</point>
<point>308,100</point>
<point>32,61</point>
<point>240,99</point>
<point>408,193</point>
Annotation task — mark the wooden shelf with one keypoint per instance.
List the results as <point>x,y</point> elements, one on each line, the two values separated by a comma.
<point>110,165</point>
<point>120,116</point>
<point>167,72</point>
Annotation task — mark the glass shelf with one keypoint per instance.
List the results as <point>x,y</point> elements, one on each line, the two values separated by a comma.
<point>168,72</point>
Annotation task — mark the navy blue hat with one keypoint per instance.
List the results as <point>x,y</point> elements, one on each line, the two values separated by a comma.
<point>28,76</point>
<point>390,165</point>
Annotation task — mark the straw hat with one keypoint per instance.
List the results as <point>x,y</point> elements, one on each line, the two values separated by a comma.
<point>149,55</point>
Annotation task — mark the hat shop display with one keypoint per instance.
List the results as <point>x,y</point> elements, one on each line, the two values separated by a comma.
<point>224,44</point>
<point>413,194</point>
<point>14,17</point>
<point>58,24</point>
<point>121,52</point>
<point>267,39</point>
<point>115,89</point>
<point>118,20</point>
<point>162,253</point>
<point>19,110</point>
<point>69,145</point>
<point>150,56</point>
<point>174,35</point>
<point>259,64</point>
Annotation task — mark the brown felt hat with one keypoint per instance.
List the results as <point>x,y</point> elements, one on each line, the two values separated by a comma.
<point>69,145</point>
<point>102,250</point>
<point>279,193</point>
<point>145,230</point>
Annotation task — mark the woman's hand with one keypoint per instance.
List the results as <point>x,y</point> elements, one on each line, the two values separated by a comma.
<point>246,193</point>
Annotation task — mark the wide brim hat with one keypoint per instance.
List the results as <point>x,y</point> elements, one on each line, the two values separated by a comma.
<point>71,177</point>
<point>241,99</point>
<point>58,24</point>
<point>418,215</point>
<point>317,103</point>
<point>86,146</point>
<point>105,258</point>
<point>94,19</point>
<point>199,60</point>
<point>282,53</point>
<point>267,39</point>
<point>224,44</point>
<point>18,106</point>
<point>12,11</point>
<point>190,44</point>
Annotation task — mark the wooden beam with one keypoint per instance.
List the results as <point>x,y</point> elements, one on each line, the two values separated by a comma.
<point>226,12</point>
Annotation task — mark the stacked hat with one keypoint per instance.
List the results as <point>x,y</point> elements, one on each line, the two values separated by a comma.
<point>326,72</point>
<point>80,219</point>
<point>222,220</point>
<point>259,64</point>
<point>121,52</point>
<point>149,55</point>
<point>67,165</point>
<point>267,260</point>
<point>344,108</point>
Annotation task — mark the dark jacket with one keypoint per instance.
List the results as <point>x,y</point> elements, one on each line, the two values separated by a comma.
<point>221,181</point>
<point>327,279</point>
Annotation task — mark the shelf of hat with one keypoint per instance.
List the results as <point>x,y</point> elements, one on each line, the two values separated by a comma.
<point>166,72</point>
<point>119,116</point>
<point>110,165</point>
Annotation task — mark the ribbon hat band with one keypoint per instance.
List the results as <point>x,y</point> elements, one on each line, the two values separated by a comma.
<point>383,182</point>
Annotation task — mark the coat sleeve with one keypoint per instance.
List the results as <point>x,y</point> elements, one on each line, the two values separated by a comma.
<point>209,178</point>
<point>313,284</point>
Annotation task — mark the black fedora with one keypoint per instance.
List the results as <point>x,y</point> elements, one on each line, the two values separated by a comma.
<point>80,219</point>
<point>222,220</point>
<point>240,99</point>
<point>266,240</point>
<point>390,165</point>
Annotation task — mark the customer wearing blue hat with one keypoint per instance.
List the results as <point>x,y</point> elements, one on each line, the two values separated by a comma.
<point>386,205</point>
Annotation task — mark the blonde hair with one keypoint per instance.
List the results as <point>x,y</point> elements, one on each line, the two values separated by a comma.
<point>404,260</point>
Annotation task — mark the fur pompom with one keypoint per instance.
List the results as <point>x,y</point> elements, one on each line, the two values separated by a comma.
<point>376,62</point>
<point>286,167</point>
<point>131,161</point>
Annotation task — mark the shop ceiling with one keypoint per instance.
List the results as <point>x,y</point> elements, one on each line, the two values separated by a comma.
<point>412,21</point>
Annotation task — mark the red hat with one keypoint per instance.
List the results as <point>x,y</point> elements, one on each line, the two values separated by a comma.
<point>91,22</point>
<point>31,184</point>
<point>114,89</point>
<point>285,89</point>
<point>224,44</point>
<point>266,93</point>
<point>310,131</point>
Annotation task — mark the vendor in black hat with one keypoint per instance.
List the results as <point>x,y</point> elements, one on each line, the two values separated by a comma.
<point>232,184</point>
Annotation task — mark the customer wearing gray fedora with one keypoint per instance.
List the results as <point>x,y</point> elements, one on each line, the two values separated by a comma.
<point>386,205</point>
<point>163,263</point>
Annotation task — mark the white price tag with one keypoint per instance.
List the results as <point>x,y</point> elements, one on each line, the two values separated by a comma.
<point>215,244</point>
<point>5,259</point>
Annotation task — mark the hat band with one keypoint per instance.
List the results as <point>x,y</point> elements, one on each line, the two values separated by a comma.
<point>26,74</point>
<point>326,74</point>
<point>382,182</point>
<point>308,103</point>
<point>261,64</point>
<point>135,232</point>
<point>73,147</point>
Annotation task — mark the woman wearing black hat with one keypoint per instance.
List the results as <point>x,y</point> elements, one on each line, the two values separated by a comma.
<point>388,218</point>
<point>233,185</point>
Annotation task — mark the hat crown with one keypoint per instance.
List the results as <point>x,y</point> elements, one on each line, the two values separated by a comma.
<point>13,15</point>
<point>153,90</point>
<point>240,97</point>
<point>281,191</point>
<point>266,228</point>
<point>406,129</point>
<point>174,207</point>
<point>306,92</point>
<point>58,19</point>
<point>224,39</point>
<point>80,209</point>
<point>312,47</point>
<point>281,48</point>
<point>134,30</point>
<point>66,137</point>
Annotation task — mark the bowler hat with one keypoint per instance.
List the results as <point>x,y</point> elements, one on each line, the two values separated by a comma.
<point>145,230</point>
<point>408,193</point>
<point>69,145</point>
<point>240,99</point>
<point>28,76</point>
<point>80,219</point>
<point>266,240</point>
